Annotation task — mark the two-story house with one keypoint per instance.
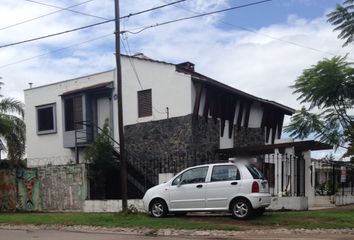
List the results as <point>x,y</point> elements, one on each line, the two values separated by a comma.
<point>174,117</point>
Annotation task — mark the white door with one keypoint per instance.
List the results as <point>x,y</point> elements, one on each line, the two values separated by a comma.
<point>223,186</point>
<point>187,191</point>
<point>103,111</point>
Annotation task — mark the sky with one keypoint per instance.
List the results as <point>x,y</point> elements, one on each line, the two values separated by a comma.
<point>259,49</point>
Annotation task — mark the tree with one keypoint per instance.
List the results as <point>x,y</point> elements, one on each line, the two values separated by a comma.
<point>343,18</point>
<point>12,128</point>
<point>100,155</point>
<point>328,88</point>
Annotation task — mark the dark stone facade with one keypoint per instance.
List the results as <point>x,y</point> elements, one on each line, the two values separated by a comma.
<point>171,145</point>
<point>250,136</point>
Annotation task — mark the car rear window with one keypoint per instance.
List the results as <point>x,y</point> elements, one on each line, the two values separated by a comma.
<point>256,174</point>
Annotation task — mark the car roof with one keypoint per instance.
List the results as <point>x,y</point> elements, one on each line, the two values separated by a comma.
<point>218,164</point>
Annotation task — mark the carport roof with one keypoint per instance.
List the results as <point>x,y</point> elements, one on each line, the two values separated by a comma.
<point>254,150</point>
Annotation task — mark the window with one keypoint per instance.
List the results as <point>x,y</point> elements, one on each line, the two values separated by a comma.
<point>256,174</point>
<point>195,175</point>
<point>225,173</point>
<point>144,103</point>
<point>73,113</point>
<point>46,119</point>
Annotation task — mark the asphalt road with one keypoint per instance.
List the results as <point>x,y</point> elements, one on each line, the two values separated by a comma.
<point>58,235</point>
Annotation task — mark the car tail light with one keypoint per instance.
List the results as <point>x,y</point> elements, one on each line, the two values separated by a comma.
<point>255,187</point>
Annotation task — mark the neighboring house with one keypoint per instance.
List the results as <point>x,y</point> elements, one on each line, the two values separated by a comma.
<point>174,117</point>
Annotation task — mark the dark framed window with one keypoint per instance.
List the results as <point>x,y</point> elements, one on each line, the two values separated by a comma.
<point>73,111</point>
<point>144,103</point>
<point>225,173</point>
<point>46,119</point>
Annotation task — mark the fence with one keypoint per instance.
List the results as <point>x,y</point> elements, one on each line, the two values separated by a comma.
<point>333,177</point>
<point>284,172</point>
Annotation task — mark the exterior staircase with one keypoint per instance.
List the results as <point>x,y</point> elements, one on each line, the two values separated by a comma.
<point>138,174</point>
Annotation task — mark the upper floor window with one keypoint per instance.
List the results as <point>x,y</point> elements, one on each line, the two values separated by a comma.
<point>73,109</point>
<point>46,119</point>
<point>144,103</point>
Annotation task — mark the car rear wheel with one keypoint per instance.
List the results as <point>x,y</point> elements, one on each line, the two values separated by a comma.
<point>158,208</point>
<point>241,209</point>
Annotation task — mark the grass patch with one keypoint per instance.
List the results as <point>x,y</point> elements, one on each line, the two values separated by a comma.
<point>111,220</point>
<point>306,219</point>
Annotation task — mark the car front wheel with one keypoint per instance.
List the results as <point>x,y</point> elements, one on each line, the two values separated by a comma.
<point>241,209</point>
<point>158,209</point>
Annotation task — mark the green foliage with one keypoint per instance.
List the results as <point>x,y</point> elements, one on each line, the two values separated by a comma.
<point>110,220</point>
<point>326,189</point>
<point>12,128</point>
<point>100,152</point>
<point>326,87</point>
<point>100,155</point>
<point>329,83</point>
<point>131,210</point>
<point>343,18</point>
<point>340,218</point>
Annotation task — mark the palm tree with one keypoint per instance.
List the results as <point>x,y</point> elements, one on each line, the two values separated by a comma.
<point>12,128</point>
<point>343,20</point>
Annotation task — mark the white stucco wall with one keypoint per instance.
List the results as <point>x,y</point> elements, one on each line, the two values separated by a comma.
<point>169,89</point>
<point>48,148</point>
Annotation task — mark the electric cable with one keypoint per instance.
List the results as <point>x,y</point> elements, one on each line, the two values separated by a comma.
<point>264,34</point>
<point>45,15</point>
<point>56,50</point>
<point>127,50</point>
<point>195,16</point>
<point>89,26</point>
<point>66,9</point>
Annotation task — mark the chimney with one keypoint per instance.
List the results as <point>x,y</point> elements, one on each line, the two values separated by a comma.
<point>187,66</point>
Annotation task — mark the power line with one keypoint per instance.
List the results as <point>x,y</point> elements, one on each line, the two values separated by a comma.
<point>88,26</point>
<point>132,65</point>
<point>66,9</point>
<point>152,9</point>
<point>128,51</point>
<point>264,34</point>
<point>56,50</point>
<point>56,34</point>
<point>196,16</point>
<point>45,15</point>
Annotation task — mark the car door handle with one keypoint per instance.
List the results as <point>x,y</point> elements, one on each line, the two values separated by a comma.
<point>234,183</point>
<point>199,186</point>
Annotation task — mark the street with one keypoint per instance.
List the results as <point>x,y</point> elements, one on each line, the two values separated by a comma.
<point>58,235</point>
<point>67,235</point>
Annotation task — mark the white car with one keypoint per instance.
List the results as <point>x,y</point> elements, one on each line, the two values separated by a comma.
<point>239,188</point>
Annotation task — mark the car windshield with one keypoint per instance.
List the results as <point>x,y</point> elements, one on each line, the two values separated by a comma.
<point>256,174</point>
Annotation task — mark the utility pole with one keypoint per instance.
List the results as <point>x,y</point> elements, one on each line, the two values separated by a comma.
<point>123,165</point>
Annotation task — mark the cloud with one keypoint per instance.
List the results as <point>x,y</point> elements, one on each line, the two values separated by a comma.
<point>263,62</point>
<point>252,62</point>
